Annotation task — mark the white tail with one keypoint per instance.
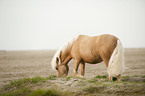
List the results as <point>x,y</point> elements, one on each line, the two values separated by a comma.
<point>116,62</point>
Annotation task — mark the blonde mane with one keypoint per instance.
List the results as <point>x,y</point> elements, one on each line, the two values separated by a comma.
<point>65,46</point>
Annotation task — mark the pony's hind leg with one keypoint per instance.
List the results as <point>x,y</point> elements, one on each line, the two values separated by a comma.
<point>76,66</point>
<point>82,69</point>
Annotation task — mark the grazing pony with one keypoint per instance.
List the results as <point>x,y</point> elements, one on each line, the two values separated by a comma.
<point>90,49</point>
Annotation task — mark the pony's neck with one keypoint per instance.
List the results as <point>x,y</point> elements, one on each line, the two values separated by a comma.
<point>65,56</point>
<point>65,50</point>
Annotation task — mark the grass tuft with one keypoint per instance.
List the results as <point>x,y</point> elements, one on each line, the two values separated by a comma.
<point>101,77</point>
<point>52,92</point>
<point>38,92</point>
<point>74,77</point>
<point>93,81</point>
<point>52,77</point>
<point>97,79</point>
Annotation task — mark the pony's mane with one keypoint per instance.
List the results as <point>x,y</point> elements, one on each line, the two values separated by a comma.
<point>66,46</point>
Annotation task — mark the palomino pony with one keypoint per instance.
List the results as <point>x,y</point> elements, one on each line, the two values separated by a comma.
<point>90,49</point>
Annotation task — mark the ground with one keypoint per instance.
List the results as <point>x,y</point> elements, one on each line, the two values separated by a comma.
<point>18,65</point>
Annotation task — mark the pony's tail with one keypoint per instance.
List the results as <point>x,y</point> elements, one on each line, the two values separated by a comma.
<point>116,62</point>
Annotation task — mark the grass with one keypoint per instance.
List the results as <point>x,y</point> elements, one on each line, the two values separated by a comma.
<point>93,80</point>
<point>74,77</point>
<point>19,92</point>
<point>20,83</point>
<point>93,89</point>
<point>100,77</point>
<point>52,77</point>
<point>39,92</point>
<point>97,78</point>
<point>24,87</point>
<point>42,92</point>
<point>132,80</point>
<point>95,86</point>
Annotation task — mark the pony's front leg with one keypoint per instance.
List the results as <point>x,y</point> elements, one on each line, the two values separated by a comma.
<point>76,66</point>
<point>82,69</point>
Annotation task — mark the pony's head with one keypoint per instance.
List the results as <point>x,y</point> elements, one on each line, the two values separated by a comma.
<point>62,69</point>
<point>58,64</point>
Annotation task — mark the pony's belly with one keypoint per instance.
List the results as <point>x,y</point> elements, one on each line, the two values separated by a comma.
<point>88,51</point>
<point>89,57</point>
<point>92,60</point>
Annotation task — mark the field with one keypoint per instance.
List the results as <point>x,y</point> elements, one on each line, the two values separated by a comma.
<point>29,73</point>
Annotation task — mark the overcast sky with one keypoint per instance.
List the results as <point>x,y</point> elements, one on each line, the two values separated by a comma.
<point>47,24</point>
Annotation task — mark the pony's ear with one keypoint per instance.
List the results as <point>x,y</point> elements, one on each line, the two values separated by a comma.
<point>57,60</point>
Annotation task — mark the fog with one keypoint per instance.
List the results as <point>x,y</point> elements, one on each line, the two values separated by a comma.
<point>47,24</point>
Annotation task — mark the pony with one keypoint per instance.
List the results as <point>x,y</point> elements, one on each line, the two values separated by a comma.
<point>90,49</point>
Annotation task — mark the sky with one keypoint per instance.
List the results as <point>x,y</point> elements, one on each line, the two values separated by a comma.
<point>47,24</point>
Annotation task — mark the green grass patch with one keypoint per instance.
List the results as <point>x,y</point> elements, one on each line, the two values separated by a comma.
<point>24,82</point>
<point>55,92</point>
<point>19,92</point>
<point>69,77</point>
<point>100,77</point>
<point>39,92</point>
<point>52,77</point>
<point>143,76</point>
<point>97,79</point>
<point>43,92</point>
<point>24,87</point>
<point>93,80</point>
<point>74,77</point>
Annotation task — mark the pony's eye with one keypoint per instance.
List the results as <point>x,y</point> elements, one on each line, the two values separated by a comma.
<point>56,68</point>
<point>57,60</point>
